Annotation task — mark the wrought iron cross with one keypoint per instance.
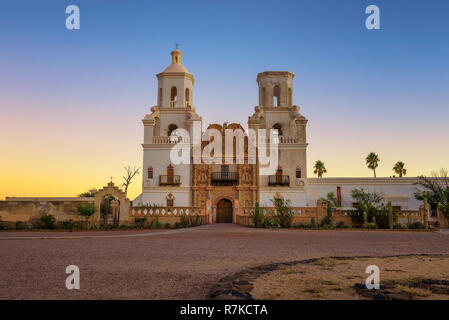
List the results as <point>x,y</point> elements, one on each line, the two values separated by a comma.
<point>177,45</point>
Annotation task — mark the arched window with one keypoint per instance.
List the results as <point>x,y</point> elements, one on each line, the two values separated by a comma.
<point>276,96</point>
<point>150,172</point>
<point>173,97</point>
<point>187,97</point>
<point>278,127</point>
<point>171,129</point>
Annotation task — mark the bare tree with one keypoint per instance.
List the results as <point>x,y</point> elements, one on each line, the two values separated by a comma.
<point>128,176</point>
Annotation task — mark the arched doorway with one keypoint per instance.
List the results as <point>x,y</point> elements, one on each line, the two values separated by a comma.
<point>224,211</point>
<point>110,210</point>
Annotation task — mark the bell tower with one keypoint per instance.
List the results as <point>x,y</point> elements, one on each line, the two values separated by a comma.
<point>175,84</point>
<point>276,111</point>
<point>166,179</point>
<point>275,88</point>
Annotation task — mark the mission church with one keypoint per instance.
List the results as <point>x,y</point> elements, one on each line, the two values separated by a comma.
<point>223,184</point>
<point>227,189</point>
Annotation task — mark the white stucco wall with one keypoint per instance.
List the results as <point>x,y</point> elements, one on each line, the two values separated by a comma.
<point>298,198</point>
<point>397,190</point>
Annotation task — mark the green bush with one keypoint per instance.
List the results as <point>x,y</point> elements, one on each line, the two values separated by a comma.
<point>283,215</point>
<point>140,222</point>
<point>66,225</point>
<point>369,225</point>
<point>47,221</point>
<point>415,225</point>
<point>304,226</point>
<point>178,225</point>
<point>327,222</point>
<point>257,216</point>
<point>270,223</point>
<point>167,225</point>
<point>20,225</point>
<point>184,220</point>
<point>194,220</point>
<point>398,226</point>
<point>155,224</point>
<point>341,225</point>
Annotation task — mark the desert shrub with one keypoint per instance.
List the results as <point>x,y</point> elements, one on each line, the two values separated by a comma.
<point>282,214</point>
<point>20,225</point>
<point>257,216</point>
<point>46,221</point>
<point>184,220</point>
<point>178,225</point>
<point>125,226</point>
<point>304,226</point>
<point>167,225</point>
<point>327,222</point>
<point>78,225</point>
<point>155,224</point>
<point>415,225</point>
<point>86,210</point>
<point>194,220</point>
<point>341,225</point>
<point>66,225</point>
<point>140,222</point>
<point>378,215</point>
<point>369,225</point>
<point>270,223</point>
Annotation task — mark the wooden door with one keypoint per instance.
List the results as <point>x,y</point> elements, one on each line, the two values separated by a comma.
<point>224,211</point>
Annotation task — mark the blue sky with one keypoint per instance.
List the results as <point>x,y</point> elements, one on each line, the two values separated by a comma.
<point>362,90</point>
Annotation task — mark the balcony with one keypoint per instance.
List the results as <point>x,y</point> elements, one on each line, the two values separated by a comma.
<point>279,180</point>
<point>224,178</point>
<point>170,180</point>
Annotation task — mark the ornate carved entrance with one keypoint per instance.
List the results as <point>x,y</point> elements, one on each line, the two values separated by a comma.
<point>224,211</point>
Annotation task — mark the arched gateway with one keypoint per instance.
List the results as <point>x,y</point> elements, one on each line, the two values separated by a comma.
<point>113,202</point>
<point>224,211</point>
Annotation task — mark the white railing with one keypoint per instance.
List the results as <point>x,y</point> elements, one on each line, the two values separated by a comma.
<point>170,139</point>
<point>280,140</point>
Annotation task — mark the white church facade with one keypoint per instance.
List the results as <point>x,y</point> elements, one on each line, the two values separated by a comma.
<point>192,184</point>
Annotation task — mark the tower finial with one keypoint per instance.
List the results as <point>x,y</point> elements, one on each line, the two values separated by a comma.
<point>176,45</point>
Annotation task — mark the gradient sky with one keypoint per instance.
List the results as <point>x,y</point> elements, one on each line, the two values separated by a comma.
<point>71,102</point>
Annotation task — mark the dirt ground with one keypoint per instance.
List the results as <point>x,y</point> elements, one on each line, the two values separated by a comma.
<point>178,264</point>
<point>329,278</point>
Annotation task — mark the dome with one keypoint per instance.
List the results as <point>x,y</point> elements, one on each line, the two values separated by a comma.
<point>174,67</point>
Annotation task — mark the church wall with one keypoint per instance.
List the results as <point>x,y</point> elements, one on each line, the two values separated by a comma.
<point>159,196</point>
<point>397,190</point>
<point>298,198</point>
<point>26,209</point>
<point>159,159</point>
<point>179,119</point>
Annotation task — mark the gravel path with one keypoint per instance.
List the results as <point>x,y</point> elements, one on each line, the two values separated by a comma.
<point>175,264</point>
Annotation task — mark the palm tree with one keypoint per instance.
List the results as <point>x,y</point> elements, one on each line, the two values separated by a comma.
<point>372,161</point>
<point>319,168</point>
<point>399,169</point>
